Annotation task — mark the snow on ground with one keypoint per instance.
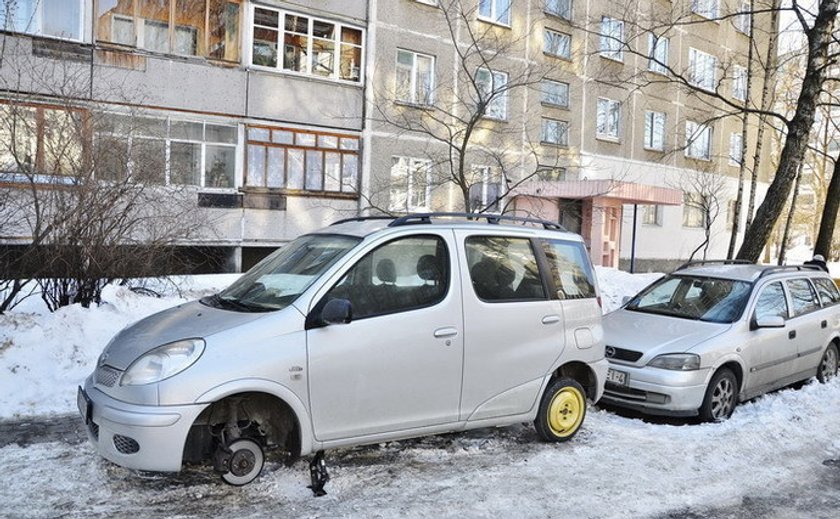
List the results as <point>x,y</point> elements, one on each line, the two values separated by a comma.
<point>616,284</point>
<point>44,356</point>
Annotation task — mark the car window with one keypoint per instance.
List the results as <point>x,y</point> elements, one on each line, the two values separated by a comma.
<point>829,295</point>
<point>772,302</point>
<point>802,296</point>
<point>404,274</point>
<point>503,269</point>
<point>702,298</point>
<point>570,269</point>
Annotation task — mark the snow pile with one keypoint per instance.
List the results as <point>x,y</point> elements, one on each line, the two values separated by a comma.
<point>44,356</point>
<point>616,284</point>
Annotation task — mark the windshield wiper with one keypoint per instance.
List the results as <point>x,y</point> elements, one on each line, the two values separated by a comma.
<point>234,304</point>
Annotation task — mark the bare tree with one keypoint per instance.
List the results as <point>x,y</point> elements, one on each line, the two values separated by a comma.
<point>85,194</point>
<point>704,194</point>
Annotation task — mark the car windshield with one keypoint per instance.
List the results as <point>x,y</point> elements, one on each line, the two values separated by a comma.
<point>700,298</point>
<point>280,278</point>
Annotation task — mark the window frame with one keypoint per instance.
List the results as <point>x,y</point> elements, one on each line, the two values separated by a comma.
<point>739,83</point>
<point>547,51</point>
<point>547,102</point>
<point>709,63</point>
<point>785,297</point>
<point>500,99</point>
<point>486,175</point>
<point>814,293</point>
<point>655,64</point>
<point>610,46</point>
<point>495,17</point>
<point>692,136</point>
<point>709,9</point>
<point>413,92</point>
<point>563,142</point>
<point>539,259</point>
<point>409,184</point>
<point>649,140</point>
<point>656,221</point>
<point>611,104</point>
<point>692,207</point>
<point>830,282</point>
<point>557,11</point>
<point>551,281</point>
<point>736,159</point>
<point>85,9</point>
<point>281,30</point>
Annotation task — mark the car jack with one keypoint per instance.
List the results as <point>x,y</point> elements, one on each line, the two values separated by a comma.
<point>318,474</point>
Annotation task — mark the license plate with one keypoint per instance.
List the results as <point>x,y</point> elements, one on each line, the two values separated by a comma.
<point>85,405</point>
<point>617,377</point>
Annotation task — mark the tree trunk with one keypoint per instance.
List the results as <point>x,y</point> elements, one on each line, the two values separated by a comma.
<point>789,219</point>
<point>829,213</point>
<point>739,198</point>
<point>766,102</point>
<point>799,129</point>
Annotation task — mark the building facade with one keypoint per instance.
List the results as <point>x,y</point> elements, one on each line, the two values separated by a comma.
<point>284,116</point>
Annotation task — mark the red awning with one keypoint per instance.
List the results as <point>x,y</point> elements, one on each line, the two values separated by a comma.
<point>627,192</point>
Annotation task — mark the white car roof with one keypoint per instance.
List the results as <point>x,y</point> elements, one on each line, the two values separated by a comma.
<point>748,273</point>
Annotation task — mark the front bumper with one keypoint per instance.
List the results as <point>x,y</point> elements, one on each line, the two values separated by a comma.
<point>658,391</point>
<point>139,436</point>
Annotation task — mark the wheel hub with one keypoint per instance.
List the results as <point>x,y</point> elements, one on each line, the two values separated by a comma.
<point>242,462</point>
<point>565,411</point>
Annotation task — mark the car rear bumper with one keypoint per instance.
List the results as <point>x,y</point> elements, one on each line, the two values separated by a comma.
<point>658,391</point>
<point>139,436</point>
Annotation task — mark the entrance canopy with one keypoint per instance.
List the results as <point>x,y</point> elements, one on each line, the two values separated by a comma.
<point>624,192</point>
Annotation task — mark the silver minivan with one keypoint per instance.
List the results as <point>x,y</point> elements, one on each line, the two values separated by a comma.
<point>366,331</point>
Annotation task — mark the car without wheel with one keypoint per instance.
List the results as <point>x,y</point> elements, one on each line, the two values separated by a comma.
<point>370,330</point>
<point>712,334</point>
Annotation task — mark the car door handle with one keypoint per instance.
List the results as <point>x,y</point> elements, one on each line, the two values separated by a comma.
<point>824,324</point>
<point>551,319</point>
<point>445,332</point>
<point>792,334</point>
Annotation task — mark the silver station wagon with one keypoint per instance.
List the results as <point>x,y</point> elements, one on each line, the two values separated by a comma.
<point>700,340</point>
<point>366,331</point>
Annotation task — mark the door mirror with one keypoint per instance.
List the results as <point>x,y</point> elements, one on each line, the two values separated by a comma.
<point>770,321</point>
<point>337,311</point>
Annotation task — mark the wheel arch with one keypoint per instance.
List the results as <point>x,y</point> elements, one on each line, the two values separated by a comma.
<point>582,373</point>
<point>266,391</point>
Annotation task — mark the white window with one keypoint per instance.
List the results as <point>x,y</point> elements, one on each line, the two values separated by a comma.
<point>57,18</point>
<point>694,210</point>
<point>651,214</point>
<point>739,83</point>
<point>730,214</point>
<point>658,53</point>
<point>415,77</point>
<point>736,148</point>
<point>557,44</point>
<point>411,184</point>
<point>485,192</point>
<point>702,69</point>
<point>655,130</point>
<point>609,118</point>
<point>491,89</point>
<point>305,45</point>
<point>555,132</point>
<point>555,93</point>
<point>698,140</point>
<point>742,20</point>
<point>560,8</point>
<point>705,8</point>
<point>612,38</point>
<point>496,11</point>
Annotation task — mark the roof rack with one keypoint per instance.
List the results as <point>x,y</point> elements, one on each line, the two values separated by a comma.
<point>791,268</point>
<point>361,219</point>
<point>426,218</point>
<point>695,263</point>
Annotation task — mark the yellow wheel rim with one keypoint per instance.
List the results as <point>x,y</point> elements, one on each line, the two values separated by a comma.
<point>565,413</point>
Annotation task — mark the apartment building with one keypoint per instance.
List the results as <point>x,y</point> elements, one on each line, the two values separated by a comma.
<point>255,107</point>
<point>598,134</point>
<point>283,116</point>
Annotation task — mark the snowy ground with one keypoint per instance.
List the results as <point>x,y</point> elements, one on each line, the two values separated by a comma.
<point>767,461</point>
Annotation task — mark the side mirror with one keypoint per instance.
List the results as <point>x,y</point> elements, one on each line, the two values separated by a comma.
<point>769,321</point>
<point>337,311</point>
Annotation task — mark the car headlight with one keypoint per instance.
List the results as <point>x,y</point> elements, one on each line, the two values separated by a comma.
<point>163,362</point>
<point>676,361</point>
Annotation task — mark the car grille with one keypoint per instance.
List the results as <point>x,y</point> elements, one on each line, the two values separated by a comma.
<point>106,376</point>
<point>126,445</point>
<point>622,354</point>
<point>627,393</point>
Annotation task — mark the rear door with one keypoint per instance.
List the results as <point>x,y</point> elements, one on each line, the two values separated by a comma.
<point>810,323</point>
<point>513,331</point>
<point>397,364</point>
